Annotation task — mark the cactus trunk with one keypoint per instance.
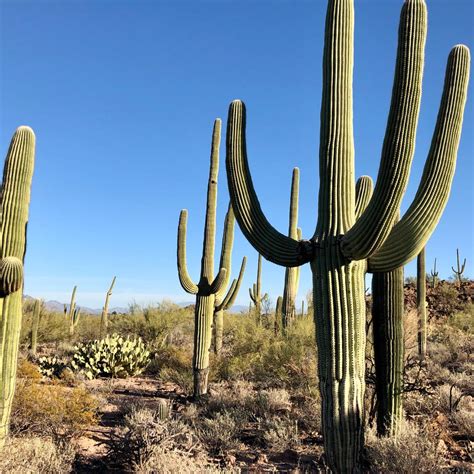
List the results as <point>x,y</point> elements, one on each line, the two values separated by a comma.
<point>421,302</point>
<point>15,199</point>
<point>34,327</point>
<point>387,319</point>
<point>104,318</point>
<point>218,330</point>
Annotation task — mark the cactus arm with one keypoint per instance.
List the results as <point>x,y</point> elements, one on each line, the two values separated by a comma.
<point>219,283</point>
<point>294,198</point>
<point>188,285</point>
<point>410,235</point>
<point>104,321</point>
<point>364,190</point>
<point>270,243</point>
<point>226,249</point>
<point>207,262</point>
<point>252,297</point>
<point>235,287</point>
<point>14,200</point>
<point>257,288</point>
<point>374,225</point>
<point>421,302</point>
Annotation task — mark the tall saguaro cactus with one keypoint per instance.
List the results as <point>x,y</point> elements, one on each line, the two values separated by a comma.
<point>342,248</point>
<point>209,287</point>
<point>73,313</point>
<point>460,268</point>
<point>292,273</point>
<point>104,318</point>
<point>421,302</point>
<point>15,201</point>
<point>255,291</point>
<point>434,275</point>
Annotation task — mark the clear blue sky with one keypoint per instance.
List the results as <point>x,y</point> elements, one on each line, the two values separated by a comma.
<point>122,96</point>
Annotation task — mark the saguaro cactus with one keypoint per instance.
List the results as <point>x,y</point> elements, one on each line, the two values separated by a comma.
<point>421,302</point>
<point>208,287</point>
<point>434,276</point>
<point>460,268</point>
<point>255,292</point>
<point>339,249</point>
<point>34,326</point>
<point>104,318</point>
<point>15,201</point>
<point>292,273</point>
<point>72,313</point>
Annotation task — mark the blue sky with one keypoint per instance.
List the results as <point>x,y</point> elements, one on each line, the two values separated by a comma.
<point>122,96</point>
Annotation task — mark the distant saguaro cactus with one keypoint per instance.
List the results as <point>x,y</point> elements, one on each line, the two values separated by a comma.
<point>34,326</point>
<point>223,300</point>
<point>421,302</point>
<point>72,313</point>
<point>341,248</point>
<point>278,314</point>
<point>255,292</point>
<point>292,273</point>
<point>208,288</point>
<point>460,268</point>
<point>104,318</point>
<point>15,201</point>
<point>434,276</point>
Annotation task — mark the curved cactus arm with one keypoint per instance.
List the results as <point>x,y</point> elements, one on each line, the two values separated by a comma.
<point>226,249</point>
<point>294,198</point>
<point>188,285</point>
<point>219,283</point>
<point>374,225</point>
<point>364,190</point>
<point>460,269</point>
<point>273,245</point>
<point>234,288</point>
<point>252,297</point>
<point>410,235</point>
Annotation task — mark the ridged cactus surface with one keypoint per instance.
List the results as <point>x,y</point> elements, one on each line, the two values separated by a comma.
<point>421,302</point>
<point>15,200</point>
<point>342,247</point>
<point>209,286</point>
<point>292,273</point>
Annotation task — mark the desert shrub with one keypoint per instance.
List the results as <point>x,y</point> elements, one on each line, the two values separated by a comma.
<point>281,434</point>
<point>414,450</point>
<point>36,455</point>
<point>113,356</point>
<point>51,409</point>
<point>464,319</point>
<point>27,370</point>
<point>220,434</point>
<point>444,300</point>
<point>144,435</point>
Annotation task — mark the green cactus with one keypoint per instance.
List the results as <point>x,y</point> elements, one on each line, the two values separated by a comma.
<point>460,268</point>
<point>209,287</point>
<point>421,302</point>
<point>342,247</point>
<point>104,318</point>
<point>434,276</point>
<point>278,314</point>
<point>72,313</point>
<point>34,326</point>
<point>292,273</point>
<point>15,200</point>
<point>255,292</point>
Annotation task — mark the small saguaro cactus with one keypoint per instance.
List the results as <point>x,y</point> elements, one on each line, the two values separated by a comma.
<point>434,276</point>
<point>460,268</point>
<point>15,201</point>
<point>104,318</point>
<point>208,287</point>
<point>342,248</point>
<point>72,313</point>
<point>255,292</point>
<point>278,312</point>
<point>421,302</point>
<point>34,326</point>
<point>292,273</point>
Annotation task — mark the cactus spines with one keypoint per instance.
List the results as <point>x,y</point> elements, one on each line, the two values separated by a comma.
<point>421,302</point>
<point>434,276</point>
<point>255,292</point>
<point>209,287</point>
<point>460,268</point>
<point>34,326</point>
<point>104,318</point>
<point>342,247</point>
<point>15,200</point>
<point>292,273</point>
